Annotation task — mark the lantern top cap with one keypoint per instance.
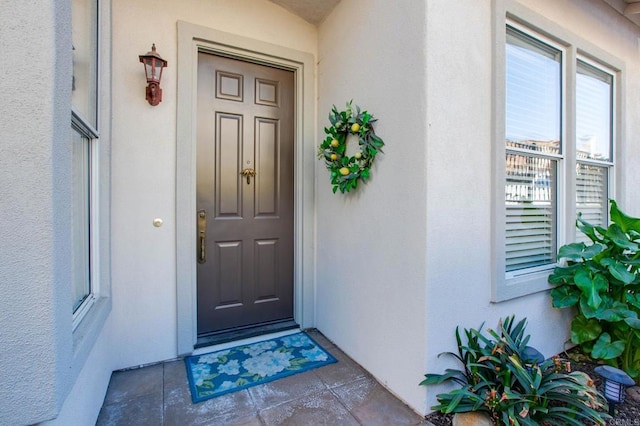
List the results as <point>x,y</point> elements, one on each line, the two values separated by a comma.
<point>153,54</point>
<point>614,374</point>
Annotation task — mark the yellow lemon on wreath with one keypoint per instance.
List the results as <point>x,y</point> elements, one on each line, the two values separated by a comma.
<point>344,171</point>
<point>333,157</point>
<point>358,155</point>
<point>355,127</point>
<point>335,143</point>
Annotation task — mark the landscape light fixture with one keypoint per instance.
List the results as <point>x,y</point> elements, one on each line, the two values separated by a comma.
<point>615,383</point>
<point>153,65</point>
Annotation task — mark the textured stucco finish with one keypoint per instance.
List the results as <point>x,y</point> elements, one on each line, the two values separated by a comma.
<point>34,218</point>
<point>371,243</point>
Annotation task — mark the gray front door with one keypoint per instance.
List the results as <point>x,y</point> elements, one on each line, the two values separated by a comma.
<point>244,194</point>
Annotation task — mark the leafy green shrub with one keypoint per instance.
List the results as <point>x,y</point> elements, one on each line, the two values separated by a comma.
<point>602,281</point>
<point>497,377</point>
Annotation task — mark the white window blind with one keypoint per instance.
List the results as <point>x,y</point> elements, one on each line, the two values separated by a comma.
<point>81,220</point>
<point>533,149</point>
<point>594,124</point>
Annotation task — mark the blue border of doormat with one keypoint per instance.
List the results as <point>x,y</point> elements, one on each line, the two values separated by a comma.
<point>316,364</point>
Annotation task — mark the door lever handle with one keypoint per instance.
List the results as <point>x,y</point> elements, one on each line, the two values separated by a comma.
<point>202,236</point>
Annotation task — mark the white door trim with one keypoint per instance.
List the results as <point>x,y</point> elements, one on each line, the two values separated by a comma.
<point>191,39</point>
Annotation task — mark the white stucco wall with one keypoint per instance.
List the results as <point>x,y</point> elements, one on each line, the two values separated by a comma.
<point>371,244</point>
<point>459,163</point>
<point>144,158</point>
<point>35,270</point>
<point>41,356</point>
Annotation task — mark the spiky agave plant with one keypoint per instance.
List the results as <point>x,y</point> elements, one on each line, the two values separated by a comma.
<point>498,378</point>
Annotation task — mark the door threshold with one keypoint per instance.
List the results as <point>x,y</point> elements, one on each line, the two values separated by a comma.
<point>236,334</point>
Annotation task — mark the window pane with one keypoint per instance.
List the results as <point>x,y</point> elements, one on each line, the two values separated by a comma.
<point>530,199</point>
<point>592,195</point>
<point>80,225</point>
<point>533,94</point>
<point>594,106</point>
<point>84,16</point>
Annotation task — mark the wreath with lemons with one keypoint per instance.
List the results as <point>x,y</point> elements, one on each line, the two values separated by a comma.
<point>347,170</point>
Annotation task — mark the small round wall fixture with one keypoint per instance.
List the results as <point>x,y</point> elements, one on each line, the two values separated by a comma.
<point>347,170</point>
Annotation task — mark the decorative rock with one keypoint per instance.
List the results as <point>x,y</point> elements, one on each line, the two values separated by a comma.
<point>473,418</point>
<point>634,393</point>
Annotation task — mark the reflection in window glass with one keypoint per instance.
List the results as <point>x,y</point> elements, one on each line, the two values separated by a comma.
<point>530,194</point>
<point>594,137</point>
<point>84,33</point>
<point>532,90</point>
<point>80,228</point>
<point>592,184</point>
<point>533,143</point>
<point>593,113</point>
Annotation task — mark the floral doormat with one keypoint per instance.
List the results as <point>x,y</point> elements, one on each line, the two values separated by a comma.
<point>230,370</point>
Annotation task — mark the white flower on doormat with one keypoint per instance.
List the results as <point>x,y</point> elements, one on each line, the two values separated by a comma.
<point>231,368</point>
<point>314,354</point>
<point>268,363</point>
<point>212,357</point>
<point>296,341</point>
<point>258,348</point>
<point>200,373</point>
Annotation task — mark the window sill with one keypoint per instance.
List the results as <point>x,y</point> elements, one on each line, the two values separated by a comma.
<point>521,285</point>
<point>88,330</point>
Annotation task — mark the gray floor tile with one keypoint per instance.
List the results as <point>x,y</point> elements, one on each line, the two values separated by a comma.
<point>342,372</point>
<point>373,405</point>
<point>287,389</point>
<point>321,408</point>
<point>336,394</point>
<point>175,374</point>
<point>236,407</point>
<point>130,384</point>
<point>320,339</point>
<point>145,410</point>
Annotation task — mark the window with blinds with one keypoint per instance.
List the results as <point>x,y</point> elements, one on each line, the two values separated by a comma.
<point>594,136</point>
<point>84,155</point>
<point>533,150</point>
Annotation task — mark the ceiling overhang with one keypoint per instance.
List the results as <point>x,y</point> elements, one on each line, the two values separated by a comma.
<point>312,11</point>
<point>629,8</point>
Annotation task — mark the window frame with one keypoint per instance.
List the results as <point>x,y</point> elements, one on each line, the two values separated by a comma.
<point>83,125</point>
<point>609,165</point>
<point>89,133</point>
<point>507,286</point>
<point>560,158</point>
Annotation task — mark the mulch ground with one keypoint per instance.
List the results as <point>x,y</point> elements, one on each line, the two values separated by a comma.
<point>626,414</point>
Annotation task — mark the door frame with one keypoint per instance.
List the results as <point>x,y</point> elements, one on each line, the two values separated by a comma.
<point>192,39</point>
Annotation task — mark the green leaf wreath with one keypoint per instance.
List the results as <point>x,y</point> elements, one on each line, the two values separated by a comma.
<point>345,170</point>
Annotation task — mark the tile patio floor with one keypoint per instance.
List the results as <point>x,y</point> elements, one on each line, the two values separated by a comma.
<point>337,394</point>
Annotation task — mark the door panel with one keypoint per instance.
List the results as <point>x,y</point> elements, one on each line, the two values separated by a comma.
<point>267,162</point>
<point>229,144</point>
<point>245,121</point>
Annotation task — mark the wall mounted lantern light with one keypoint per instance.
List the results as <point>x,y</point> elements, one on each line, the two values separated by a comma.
<point>153,65</point>
<point>615,382</point>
